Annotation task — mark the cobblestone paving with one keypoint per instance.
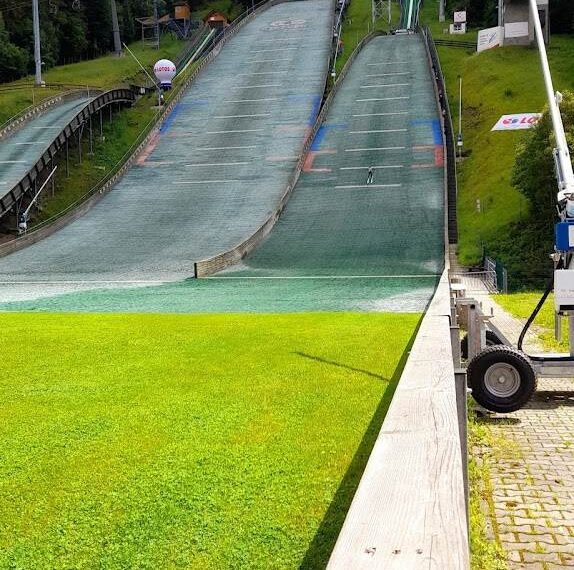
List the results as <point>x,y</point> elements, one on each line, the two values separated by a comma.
<point>533,490</point>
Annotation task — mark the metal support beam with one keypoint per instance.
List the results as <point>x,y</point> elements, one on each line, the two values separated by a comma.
<point>381,8</point>
<point>37,55</point>
<point>116,29</point>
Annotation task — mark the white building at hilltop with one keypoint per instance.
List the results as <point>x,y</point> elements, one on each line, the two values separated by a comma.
<point>516,20</point>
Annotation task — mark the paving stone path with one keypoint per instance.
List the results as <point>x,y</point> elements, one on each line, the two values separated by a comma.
<point>533,491</point>
<point>533,487</point>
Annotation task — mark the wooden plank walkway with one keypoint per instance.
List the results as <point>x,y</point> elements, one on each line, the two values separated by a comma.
<point>409,511</point>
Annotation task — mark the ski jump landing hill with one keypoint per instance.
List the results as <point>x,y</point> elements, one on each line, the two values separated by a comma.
<point>215,170</point>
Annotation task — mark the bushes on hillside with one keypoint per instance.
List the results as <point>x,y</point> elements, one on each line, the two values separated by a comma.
<point>529,242</point>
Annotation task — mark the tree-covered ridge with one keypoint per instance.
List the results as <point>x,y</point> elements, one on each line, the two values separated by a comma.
<point>484,13</point>
<point>74,30</point>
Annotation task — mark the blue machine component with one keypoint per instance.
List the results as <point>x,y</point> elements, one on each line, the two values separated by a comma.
<point>564,234</point>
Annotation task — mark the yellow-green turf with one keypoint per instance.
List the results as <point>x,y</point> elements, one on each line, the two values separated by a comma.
<point>187,441</point>
<point>521,305</point>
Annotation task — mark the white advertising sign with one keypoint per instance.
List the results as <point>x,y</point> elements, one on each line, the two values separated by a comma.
<point>516,30</point>
<point>517,122</point>
<point>457,28</point>
<point>459,17</point>
<point>489,38</point>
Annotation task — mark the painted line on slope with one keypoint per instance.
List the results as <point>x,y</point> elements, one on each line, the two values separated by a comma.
<point>375,149</point>
<point>237,131</point>
<point>382,99</point>
<point>385,85</point>
<point>223,147</point>
<point>388,63</point>
<point>260,86</point>
<point>373,167</point>
<point>242,116</point>
<point>217,164</point>
<point>381,114</point>
<point>388,74</point>
<point>251,100</point>
<point>378,131</point>
<point>347,186</point>
<point>281,277</point>
<point>186,182</point>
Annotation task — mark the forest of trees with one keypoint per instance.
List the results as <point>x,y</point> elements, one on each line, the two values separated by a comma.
<point>71,30</point>
<point>484,13</point>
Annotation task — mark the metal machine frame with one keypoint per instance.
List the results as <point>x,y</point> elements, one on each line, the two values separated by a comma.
<point>503,378</point>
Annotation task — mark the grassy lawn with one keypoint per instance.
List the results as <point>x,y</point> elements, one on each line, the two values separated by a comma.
<point>495,82</point>
<point>103,72</point>
<point>163,441</point>
<point>521,305</point>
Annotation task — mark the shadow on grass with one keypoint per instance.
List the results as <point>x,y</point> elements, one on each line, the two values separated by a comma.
<point>324,360</point>
<point>319,551</point>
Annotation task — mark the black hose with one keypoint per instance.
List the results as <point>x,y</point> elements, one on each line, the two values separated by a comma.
<point>559,265</point>
<point>536,311</point>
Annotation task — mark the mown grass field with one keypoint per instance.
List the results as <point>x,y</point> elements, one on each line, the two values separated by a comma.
<point>163,441</point>
<point>103,72</point>
<point>521,305</point>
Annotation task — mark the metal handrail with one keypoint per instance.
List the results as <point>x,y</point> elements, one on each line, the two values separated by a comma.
<point>32,110</point>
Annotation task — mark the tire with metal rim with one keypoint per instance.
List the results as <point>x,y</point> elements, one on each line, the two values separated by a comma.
<point>491,340</point>
<point>501,379</point>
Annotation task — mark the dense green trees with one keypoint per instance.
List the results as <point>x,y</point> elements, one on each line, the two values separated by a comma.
<point>71,30</point>
<point>528,243</point>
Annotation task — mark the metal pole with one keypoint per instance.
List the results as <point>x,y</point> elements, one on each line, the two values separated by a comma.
<point>460,116</point>
<point>563,161</point>
<point>37,56</point>
<point>373,12</point>
<point>156,24</point>
<point>390,14</point>
<point>116,29</point>
<point>91,138</point>
<point>441,10</point>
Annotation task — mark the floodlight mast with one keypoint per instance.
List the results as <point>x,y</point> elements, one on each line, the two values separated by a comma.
<point>562,161</point>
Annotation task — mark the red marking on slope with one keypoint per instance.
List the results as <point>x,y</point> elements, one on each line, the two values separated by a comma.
<point>148,150</point>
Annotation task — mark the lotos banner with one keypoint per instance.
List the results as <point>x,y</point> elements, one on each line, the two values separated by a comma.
<point>517,122</point>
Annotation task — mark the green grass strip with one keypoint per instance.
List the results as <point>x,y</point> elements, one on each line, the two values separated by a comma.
<point>187,441</point>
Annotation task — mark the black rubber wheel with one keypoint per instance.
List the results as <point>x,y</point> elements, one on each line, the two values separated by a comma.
<point>491,340</point>
<point>501,379</point>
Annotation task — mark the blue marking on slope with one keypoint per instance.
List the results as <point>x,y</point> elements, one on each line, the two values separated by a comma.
<point>315,110</point>
<point>435,126</point>
<point>437,132</point>
<point>315,145</point>
<point>170,119</point>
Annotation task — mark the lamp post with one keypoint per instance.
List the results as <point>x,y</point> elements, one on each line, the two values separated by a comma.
<point>459,137</point>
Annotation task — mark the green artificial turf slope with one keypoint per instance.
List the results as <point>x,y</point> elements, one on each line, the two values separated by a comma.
<point>187,441</point>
